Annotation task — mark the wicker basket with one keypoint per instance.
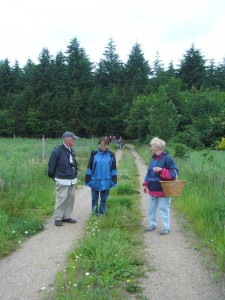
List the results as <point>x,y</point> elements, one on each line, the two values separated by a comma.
<point>172,188</point>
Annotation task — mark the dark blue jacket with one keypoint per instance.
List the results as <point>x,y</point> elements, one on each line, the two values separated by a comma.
<point>165,161</point>
<point>59,164</point>
<point>101,172</point>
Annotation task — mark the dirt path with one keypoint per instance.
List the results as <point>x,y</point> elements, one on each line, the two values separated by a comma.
<point>178,275</point>
<point>30,271</point>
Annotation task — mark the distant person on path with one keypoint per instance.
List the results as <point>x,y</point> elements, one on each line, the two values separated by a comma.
<point>161,167</point>
<point>121,142</point>
<point>101,175</point>
<point>62,168</point>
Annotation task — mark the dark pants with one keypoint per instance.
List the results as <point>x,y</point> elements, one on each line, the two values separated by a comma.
<point>95,195</point>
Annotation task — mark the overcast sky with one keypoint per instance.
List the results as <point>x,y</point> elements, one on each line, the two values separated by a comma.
<point>167,26</point>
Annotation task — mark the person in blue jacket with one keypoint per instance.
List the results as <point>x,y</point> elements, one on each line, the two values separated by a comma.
<point>162,167</point>
<point>62,168</point>
<point>101,175</point>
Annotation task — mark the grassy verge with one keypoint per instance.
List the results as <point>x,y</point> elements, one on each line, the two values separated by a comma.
<point>109,260</point>
<point>203,200</point>
<point>27,195</point>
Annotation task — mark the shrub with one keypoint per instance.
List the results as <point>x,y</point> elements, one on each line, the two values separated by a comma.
<point>221,144</point>
<point>181,150</point>
<point>188,139</point>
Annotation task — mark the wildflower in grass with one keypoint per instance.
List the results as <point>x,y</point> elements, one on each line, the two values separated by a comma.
<point>43,288</point>
<point>128,281</point>
<point>75,285</point>
<point>13,231</point>
<point>87,273</point>
<point>26,232</point>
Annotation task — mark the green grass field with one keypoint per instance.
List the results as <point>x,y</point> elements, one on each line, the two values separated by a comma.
<point>109,261</point>
<point>27,195</point>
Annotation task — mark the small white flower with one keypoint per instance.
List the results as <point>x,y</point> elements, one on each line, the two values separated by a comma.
<point>75,284</point>
<point>26,232</point>
<point>43,288</point>
<point>87,273</point>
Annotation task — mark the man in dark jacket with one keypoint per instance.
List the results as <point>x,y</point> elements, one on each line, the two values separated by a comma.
<point>62,167</point>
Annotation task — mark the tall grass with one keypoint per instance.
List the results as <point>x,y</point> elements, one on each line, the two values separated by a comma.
<point>27,195</point>
<point>109,260</point>
<point>203,199</point>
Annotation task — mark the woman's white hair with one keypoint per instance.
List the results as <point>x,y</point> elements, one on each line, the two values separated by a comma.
<point>158,143</point>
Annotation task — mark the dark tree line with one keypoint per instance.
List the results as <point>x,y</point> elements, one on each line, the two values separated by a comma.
<point>185,103</point>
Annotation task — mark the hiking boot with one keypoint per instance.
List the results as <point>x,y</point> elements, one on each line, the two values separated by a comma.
<point>58,222</point>
<point>164,232</point>
<point>150,228</point>
<point>69,220</point>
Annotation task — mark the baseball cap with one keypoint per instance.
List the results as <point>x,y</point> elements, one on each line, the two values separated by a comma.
<point>69,134</point>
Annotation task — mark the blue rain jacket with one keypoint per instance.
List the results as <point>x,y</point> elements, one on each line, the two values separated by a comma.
<point>101,172</point>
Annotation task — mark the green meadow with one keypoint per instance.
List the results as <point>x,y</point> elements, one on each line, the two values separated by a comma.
<point>27,195</point>
<point>109,261</point>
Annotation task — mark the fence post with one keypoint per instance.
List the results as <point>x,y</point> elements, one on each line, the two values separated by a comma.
<point>43,148</point>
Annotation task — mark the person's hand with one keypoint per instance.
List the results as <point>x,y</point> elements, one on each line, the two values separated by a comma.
<point>145,189</point>
<point>157,170</point>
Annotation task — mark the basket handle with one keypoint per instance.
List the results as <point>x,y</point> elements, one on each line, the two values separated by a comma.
<point>175,173</point>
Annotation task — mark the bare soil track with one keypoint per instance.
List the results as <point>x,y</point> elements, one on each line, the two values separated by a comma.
<point>178,275</point>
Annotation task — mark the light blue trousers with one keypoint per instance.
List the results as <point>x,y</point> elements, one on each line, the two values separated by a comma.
<point>163,205</point>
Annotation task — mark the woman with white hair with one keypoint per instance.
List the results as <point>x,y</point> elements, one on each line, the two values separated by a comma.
<point>161,167</point>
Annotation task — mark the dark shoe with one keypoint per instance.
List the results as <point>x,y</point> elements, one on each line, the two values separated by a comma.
<point>164,231</point>
<point>150,228</point>
<point>58,222</point>
<point>69,220</point>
